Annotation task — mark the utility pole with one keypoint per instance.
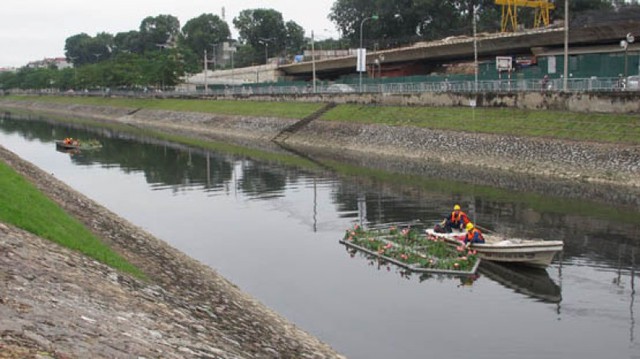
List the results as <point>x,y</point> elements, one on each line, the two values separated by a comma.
<point>475,49</point>
<point>313,61</point>
<point>362,53</point>
<point>566,46</point>
<point>206,86</point>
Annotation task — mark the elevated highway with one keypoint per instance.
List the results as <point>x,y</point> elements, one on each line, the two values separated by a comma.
<point>461,49</point>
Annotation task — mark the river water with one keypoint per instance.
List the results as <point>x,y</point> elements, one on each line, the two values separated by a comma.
<point>273,230</point>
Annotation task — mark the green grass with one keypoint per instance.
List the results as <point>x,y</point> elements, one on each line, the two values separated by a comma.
<point>24,206</point>
<point>612,128</point>
<point>224,107</point>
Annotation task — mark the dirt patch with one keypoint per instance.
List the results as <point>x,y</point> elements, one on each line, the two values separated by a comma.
<point>57,303</point>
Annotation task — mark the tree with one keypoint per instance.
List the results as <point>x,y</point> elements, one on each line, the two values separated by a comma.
<point>76,49</point>
<point>246,55</point>
<point>200,33</point>
<point>262,29</point>
<point>295,41</point>
<point>83,49</point>
<point>159,31</point>
<point>404,21</point>
<point>129,42</point>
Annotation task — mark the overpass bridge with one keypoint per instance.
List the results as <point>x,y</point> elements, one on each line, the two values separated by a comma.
<point>419,56</point>
<point>424,58</point>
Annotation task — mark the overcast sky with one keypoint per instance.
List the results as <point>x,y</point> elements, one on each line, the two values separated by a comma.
<point>34,29</point>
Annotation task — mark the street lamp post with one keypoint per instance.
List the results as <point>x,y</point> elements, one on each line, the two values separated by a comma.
<point>232,50</point>
<point>206,85</point>
<point>265,42</point>
<point>565,75</point>
<point>475,49</point>
<point>313,61</point>
<point>625,45</point>
<point>362,54</point>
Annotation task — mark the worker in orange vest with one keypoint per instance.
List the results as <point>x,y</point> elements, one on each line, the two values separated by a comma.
<point>473,234</point>
<point>457,219</point>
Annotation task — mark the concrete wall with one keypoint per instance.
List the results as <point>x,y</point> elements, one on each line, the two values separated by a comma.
<point>603,102</point>
<point>239,76</point>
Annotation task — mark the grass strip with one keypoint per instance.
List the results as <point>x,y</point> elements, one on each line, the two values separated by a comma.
<point>293,110</point>
<point>24,206</point>
<point>610,128</point>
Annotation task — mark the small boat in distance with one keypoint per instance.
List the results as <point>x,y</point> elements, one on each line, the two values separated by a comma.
<point>73,144</point>
<point>529,252</point>
<point>68,144</point>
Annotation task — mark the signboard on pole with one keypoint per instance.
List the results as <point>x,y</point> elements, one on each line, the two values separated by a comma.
<point>503,63</point>
<point>361,63</point>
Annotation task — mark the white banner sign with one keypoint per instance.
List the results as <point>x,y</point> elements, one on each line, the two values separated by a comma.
<point>551,65</point>
<point>361,64</point>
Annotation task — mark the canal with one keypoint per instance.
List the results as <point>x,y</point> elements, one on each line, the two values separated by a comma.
<point>273,230</point>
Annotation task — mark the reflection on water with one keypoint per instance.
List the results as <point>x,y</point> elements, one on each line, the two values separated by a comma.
<point>274,230</point>
<point>533,282</point>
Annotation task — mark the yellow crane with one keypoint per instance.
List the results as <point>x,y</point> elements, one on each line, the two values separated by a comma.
<point>510,12</point>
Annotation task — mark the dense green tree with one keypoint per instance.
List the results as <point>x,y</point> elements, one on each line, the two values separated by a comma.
<point>41,78</point>
<point>408,20</point>
<point>203,32</point>
<point>129,42</point>
<point>8,80</point>
<point>262,29</point>
<point>83,49</point>
<point>77,49</point>
<point>295,41</point>
<point>247,55</point>
<point>159,32</point>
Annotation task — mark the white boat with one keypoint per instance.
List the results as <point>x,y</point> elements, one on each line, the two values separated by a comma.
<point>530,252</point>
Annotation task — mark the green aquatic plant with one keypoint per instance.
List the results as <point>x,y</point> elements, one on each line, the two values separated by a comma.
<point>409,247</point>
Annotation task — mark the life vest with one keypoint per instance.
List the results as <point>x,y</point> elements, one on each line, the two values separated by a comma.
<point>460,216</point>
<point>472,234</point>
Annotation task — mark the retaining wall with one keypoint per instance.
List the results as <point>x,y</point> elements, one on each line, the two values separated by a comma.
<point>602,102</point>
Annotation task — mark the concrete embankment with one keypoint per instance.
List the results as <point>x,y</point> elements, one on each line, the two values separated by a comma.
<point>600,171</point>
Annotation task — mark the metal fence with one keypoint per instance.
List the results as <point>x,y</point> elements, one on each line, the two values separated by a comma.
<point>501,86</point>
<point>493,86</point>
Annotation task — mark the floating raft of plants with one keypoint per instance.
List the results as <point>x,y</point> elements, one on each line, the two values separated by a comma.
<point>412,250</point>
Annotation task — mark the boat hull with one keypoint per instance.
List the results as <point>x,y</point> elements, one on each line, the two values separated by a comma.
<point>534,253</point>
<point>67,146</point>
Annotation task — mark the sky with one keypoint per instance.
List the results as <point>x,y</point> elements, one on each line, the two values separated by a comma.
<point>32,30</point>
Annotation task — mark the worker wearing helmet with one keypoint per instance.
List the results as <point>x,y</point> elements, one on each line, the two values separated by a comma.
<point>457,219</point>
<point>473,234</point>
